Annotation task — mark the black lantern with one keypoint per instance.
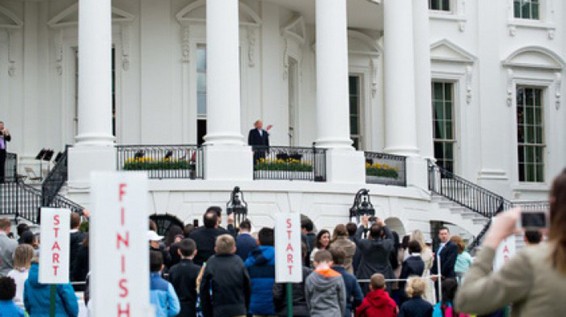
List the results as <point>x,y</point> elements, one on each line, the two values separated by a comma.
<point>362,205</point>
<point>238,206</point>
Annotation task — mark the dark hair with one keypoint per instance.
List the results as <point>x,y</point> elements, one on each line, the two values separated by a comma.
<point>216,210</point>
<point>75,220</point>
<point>27,237</point>
<point>352,228</point>
<point>246,224</point>
<point>405,242</point>
<point>210,219</point>
<point>319,237</point>
<point>414,246</point>
<point>304,250</point>
<point>265,236</point>
<point>444,228</point>
<point>188,229</point>
<point>338,255</point>
<point>155,261</point>
<point>307,225</point>
<point>339,231</point>
<point>173,232</point>
<point>322,256</point>
<point>7,288</point>
<point>187,247</point>
<point>533,236</point>
<point>21,228</point>
<point>376,231</point>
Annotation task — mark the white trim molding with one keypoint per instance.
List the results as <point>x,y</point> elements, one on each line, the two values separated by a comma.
<point>14,24</point>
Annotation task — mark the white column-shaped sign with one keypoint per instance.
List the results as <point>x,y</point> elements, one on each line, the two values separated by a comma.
<point>288,261</point>
<point>55,245</point>
<point>119,256</point>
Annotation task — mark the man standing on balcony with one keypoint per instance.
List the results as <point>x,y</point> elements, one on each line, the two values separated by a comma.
<point>258,139</point>
<point>4,138</point>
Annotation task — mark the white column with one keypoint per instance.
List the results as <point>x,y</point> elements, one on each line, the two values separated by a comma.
<point>224,141</point>
<point>344,165</point>
<point>399,78</point>
<point>423,98</point>
<point>95,73</point>
<point>94,150</point>
<point>332,104</point>
<point>223,73</point>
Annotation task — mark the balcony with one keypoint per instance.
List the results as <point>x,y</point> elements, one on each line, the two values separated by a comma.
<point>290,163</point>
<point>386,169</point>
<point>162,161</point>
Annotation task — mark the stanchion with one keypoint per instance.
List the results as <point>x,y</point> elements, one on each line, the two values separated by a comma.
<point>289,300</point>
<point>53,289</point>
<point>439,279</point>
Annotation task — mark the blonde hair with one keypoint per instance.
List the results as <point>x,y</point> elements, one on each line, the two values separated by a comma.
<point>225,244</point>
<point>22,257</point>
<point>416,286</point>
<point>418,236</point>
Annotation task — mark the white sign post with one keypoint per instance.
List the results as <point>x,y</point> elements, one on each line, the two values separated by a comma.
<point>55,244</point>
<point>119,259</point>
<point>288,260</point>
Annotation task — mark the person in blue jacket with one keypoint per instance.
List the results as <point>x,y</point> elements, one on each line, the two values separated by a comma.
<point>7,293</point>
<point>261,268</point>
<point>161,293</point>
<point>37,296</point>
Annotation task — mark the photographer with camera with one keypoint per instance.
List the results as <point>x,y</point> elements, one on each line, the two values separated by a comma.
<point>375,251</point>
<point>5,137</point>
<point>534,280</point>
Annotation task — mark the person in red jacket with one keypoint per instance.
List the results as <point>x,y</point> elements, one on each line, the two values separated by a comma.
<point>377,302</point>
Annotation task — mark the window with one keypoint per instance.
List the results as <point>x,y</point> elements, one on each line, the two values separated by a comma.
<point>439,5</point>
<point>530,134</point>
<point>201,93</point>
<point>355,127</point>
<point>526,9</point>
<point>443,124</point>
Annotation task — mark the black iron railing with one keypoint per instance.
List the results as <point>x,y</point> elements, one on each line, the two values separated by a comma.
<point>162,161</point>
<point>11,168</point>
<point>385,169</point>
<point>290,163</point>
<point>474,197</point>
<point>23,201</point>
<point>55,180</point>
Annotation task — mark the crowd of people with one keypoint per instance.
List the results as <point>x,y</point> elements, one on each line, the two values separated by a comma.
<point>361,270</point>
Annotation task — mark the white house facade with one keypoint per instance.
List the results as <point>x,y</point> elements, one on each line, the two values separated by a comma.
<point>474,88</point>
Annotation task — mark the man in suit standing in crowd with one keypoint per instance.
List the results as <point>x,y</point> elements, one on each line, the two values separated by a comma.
<point>448,252</point>
<point>258,139</point>
<point>5,137</point>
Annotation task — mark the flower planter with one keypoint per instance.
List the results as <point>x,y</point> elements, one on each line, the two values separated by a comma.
<point>284,175</point>
<point>383,180</point>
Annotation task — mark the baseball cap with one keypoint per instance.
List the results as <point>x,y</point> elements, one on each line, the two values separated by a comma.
<point>153,236</point>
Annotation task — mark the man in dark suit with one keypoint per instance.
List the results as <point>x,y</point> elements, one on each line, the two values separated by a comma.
<point>448,252</point>
<point>5,137</point>
<point>245,243</point>
<point>205,237</point>
<point>258,139</point>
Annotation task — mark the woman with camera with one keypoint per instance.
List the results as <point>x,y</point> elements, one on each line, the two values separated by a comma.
<point>534,280</point>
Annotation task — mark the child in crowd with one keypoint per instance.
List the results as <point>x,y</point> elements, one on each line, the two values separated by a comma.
<point>415,306</point>
<point>161,293</point>
<point>225,286</point>
<point>445,308</point>
<point>354,295</point>
<point>377,301</point>
<point>412,266</point>
<point>325,291</point>
<point>261,268</point>
<point>183,276</point>
<point>22,262</point>
<point>7,292</point>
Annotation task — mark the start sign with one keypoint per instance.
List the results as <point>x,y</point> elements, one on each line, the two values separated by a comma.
<point>55,244</point>
<point>288,261</point>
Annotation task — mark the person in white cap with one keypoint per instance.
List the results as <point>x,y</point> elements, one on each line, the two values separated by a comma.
<point>155,245</point>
